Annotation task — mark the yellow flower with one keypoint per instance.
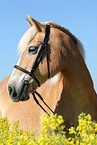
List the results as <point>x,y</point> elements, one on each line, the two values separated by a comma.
<point>72,130</point>
<point>96,127</point>
<point>51,133</point>
<point>88,117</point>
<point>60,119</point>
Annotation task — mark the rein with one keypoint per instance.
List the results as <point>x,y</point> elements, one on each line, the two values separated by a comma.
<point>41,98</point>
<point>35,92</point>
<point>43,49</point>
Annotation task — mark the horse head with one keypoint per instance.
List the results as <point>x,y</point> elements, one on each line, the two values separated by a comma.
<point>61,48</point>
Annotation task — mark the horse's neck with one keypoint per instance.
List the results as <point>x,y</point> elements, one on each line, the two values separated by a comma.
<point>70,94</point>
<point>79,94</point>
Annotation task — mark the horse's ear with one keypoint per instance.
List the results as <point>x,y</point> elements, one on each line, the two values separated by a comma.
<point>29,23</point>
<point>39,27</point>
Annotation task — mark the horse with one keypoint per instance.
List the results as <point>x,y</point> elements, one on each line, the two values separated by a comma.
<point>68,90</point>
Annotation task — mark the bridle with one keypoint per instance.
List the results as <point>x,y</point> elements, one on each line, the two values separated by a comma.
<point>43,50</point>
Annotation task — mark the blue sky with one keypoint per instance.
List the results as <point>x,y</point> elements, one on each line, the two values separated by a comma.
<point>79,16</point>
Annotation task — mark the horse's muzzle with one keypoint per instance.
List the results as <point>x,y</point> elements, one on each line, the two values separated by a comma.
<point>23,95</point>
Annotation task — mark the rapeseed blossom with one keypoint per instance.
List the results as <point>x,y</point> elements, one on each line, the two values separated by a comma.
<point>52,132</point>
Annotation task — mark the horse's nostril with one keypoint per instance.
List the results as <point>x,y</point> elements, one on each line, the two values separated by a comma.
<point>12,91</point>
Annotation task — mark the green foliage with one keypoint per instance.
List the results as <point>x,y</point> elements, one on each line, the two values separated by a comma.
<point>51,133</point>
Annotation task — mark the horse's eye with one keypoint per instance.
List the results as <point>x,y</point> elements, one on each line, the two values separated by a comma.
<point>32,49</point>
